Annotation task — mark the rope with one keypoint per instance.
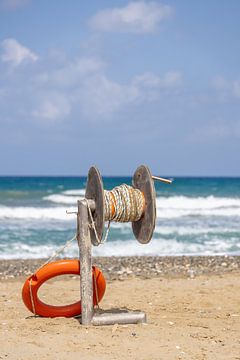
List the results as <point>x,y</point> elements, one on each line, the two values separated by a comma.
<point>96,290</point>
<point>124,204</point>
<point>58,251</point>
<point>31,297</point>
<point>92,225</point>
<point>55,254</point>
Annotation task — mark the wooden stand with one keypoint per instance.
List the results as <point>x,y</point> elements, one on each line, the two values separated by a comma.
<point>86,237</point>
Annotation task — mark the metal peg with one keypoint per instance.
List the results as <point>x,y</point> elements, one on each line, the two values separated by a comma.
<point>167,181</point>
<point>71,212</point>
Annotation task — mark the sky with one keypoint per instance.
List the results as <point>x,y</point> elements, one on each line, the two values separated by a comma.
<point>117,84</point>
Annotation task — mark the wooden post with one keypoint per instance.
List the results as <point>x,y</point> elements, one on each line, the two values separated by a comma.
<point>84,243</point>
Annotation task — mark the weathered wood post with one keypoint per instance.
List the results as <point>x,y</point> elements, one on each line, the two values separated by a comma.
<point>85,257</point>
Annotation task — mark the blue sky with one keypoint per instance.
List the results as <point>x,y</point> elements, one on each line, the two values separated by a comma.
<point>117,84</point>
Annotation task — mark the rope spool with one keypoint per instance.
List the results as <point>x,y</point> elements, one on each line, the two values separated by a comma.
<point>123,204</point>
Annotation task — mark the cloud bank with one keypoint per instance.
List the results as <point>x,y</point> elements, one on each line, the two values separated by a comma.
<point>136,17</point>
<point>85,86</point>
<point>52,92</point>
<point>227,87</point>
<point>15,53</point>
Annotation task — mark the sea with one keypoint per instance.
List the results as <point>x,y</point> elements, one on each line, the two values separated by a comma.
<point>195,216</point>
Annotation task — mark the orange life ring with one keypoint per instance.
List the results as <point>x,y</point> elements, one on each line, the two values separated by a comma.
<point>62,267</point>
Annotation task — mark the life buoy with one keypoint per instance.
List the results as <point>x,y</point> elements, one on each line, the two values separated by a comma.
<point>62,267</point>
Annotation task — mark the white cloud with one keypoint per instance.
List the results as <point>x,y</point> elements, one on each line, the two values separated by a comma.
<point>12,4</point>
<point>236,88</point>
<point>71,73</point>
<point>15,53</point>
<point>136,17</point>
<point>87,88</point>
<point>227,87</point>
<point>219,82</point>
<point>102,96</point>
<point>152,87</point>
<point>83,87</point>
<point>53,108</point>
<point>171,79</point>
<point>218,130</point>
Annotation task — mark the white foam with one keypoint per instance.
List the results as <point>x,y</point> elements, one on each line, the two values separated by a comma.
<point>157,247</point>
<point>173,214</point>
<point>167,208</point>
<point>80,192</point>
<point>170,207</point>
<point>66,197</point>
<point>24,251</point>
<point>196,203</point>
<point>190,230</point>
<point>62,199</point>
<point>35,213</point>
<point>182,206</point>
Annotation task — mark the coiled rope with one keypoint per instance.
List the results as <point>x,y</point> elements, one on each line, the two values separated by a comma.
<point>124,204</point>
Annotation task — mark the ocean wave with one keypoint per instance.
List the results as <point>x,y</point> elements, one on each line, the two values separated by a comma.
<point>197,203</point>
<point>66,197</point>
<point>27,230</point>
<point>166,204</point>
<point>75,192</point>
<point>59,212</point>
<point>178,213</point>
<point>62,199</point>
<point>190,230</point>
<point>182,206</point>
<point>35,213</point>
<point>20,250</point>
<point>157,247</point>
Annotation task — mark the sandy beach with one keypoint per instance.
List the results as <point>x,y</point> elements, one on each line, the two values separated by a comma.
<point>192,306</point>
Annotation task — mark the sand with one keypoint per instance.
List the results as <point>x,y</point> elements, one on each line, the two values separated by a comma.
<point>190,315</point>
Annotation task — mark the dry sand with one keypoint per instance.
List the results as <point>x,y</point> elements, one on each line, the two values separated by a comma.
<point>188,317</point>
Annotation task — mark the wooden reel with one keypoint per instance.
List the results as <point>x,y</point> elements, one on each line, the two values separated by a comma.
<point>142,180</point>
<point>95,191</point>
<point>143,228</point>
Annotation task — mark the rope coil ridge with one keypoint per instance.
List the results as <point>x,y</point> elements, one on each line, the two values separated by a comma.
<point>124,204</point>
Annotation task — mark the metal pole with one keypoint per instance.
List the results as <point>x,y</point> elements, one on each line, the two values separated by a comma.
<point>167,181</point>
<point>84,243</point>
<point>127,317</point>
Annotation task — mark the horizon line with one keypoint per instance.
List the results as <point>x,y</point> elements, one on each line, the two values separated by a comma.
<point>118,176</point>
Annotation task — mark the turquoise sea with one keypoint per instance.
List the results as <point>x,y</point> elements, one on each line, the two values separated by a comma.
<point>194,216</point>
